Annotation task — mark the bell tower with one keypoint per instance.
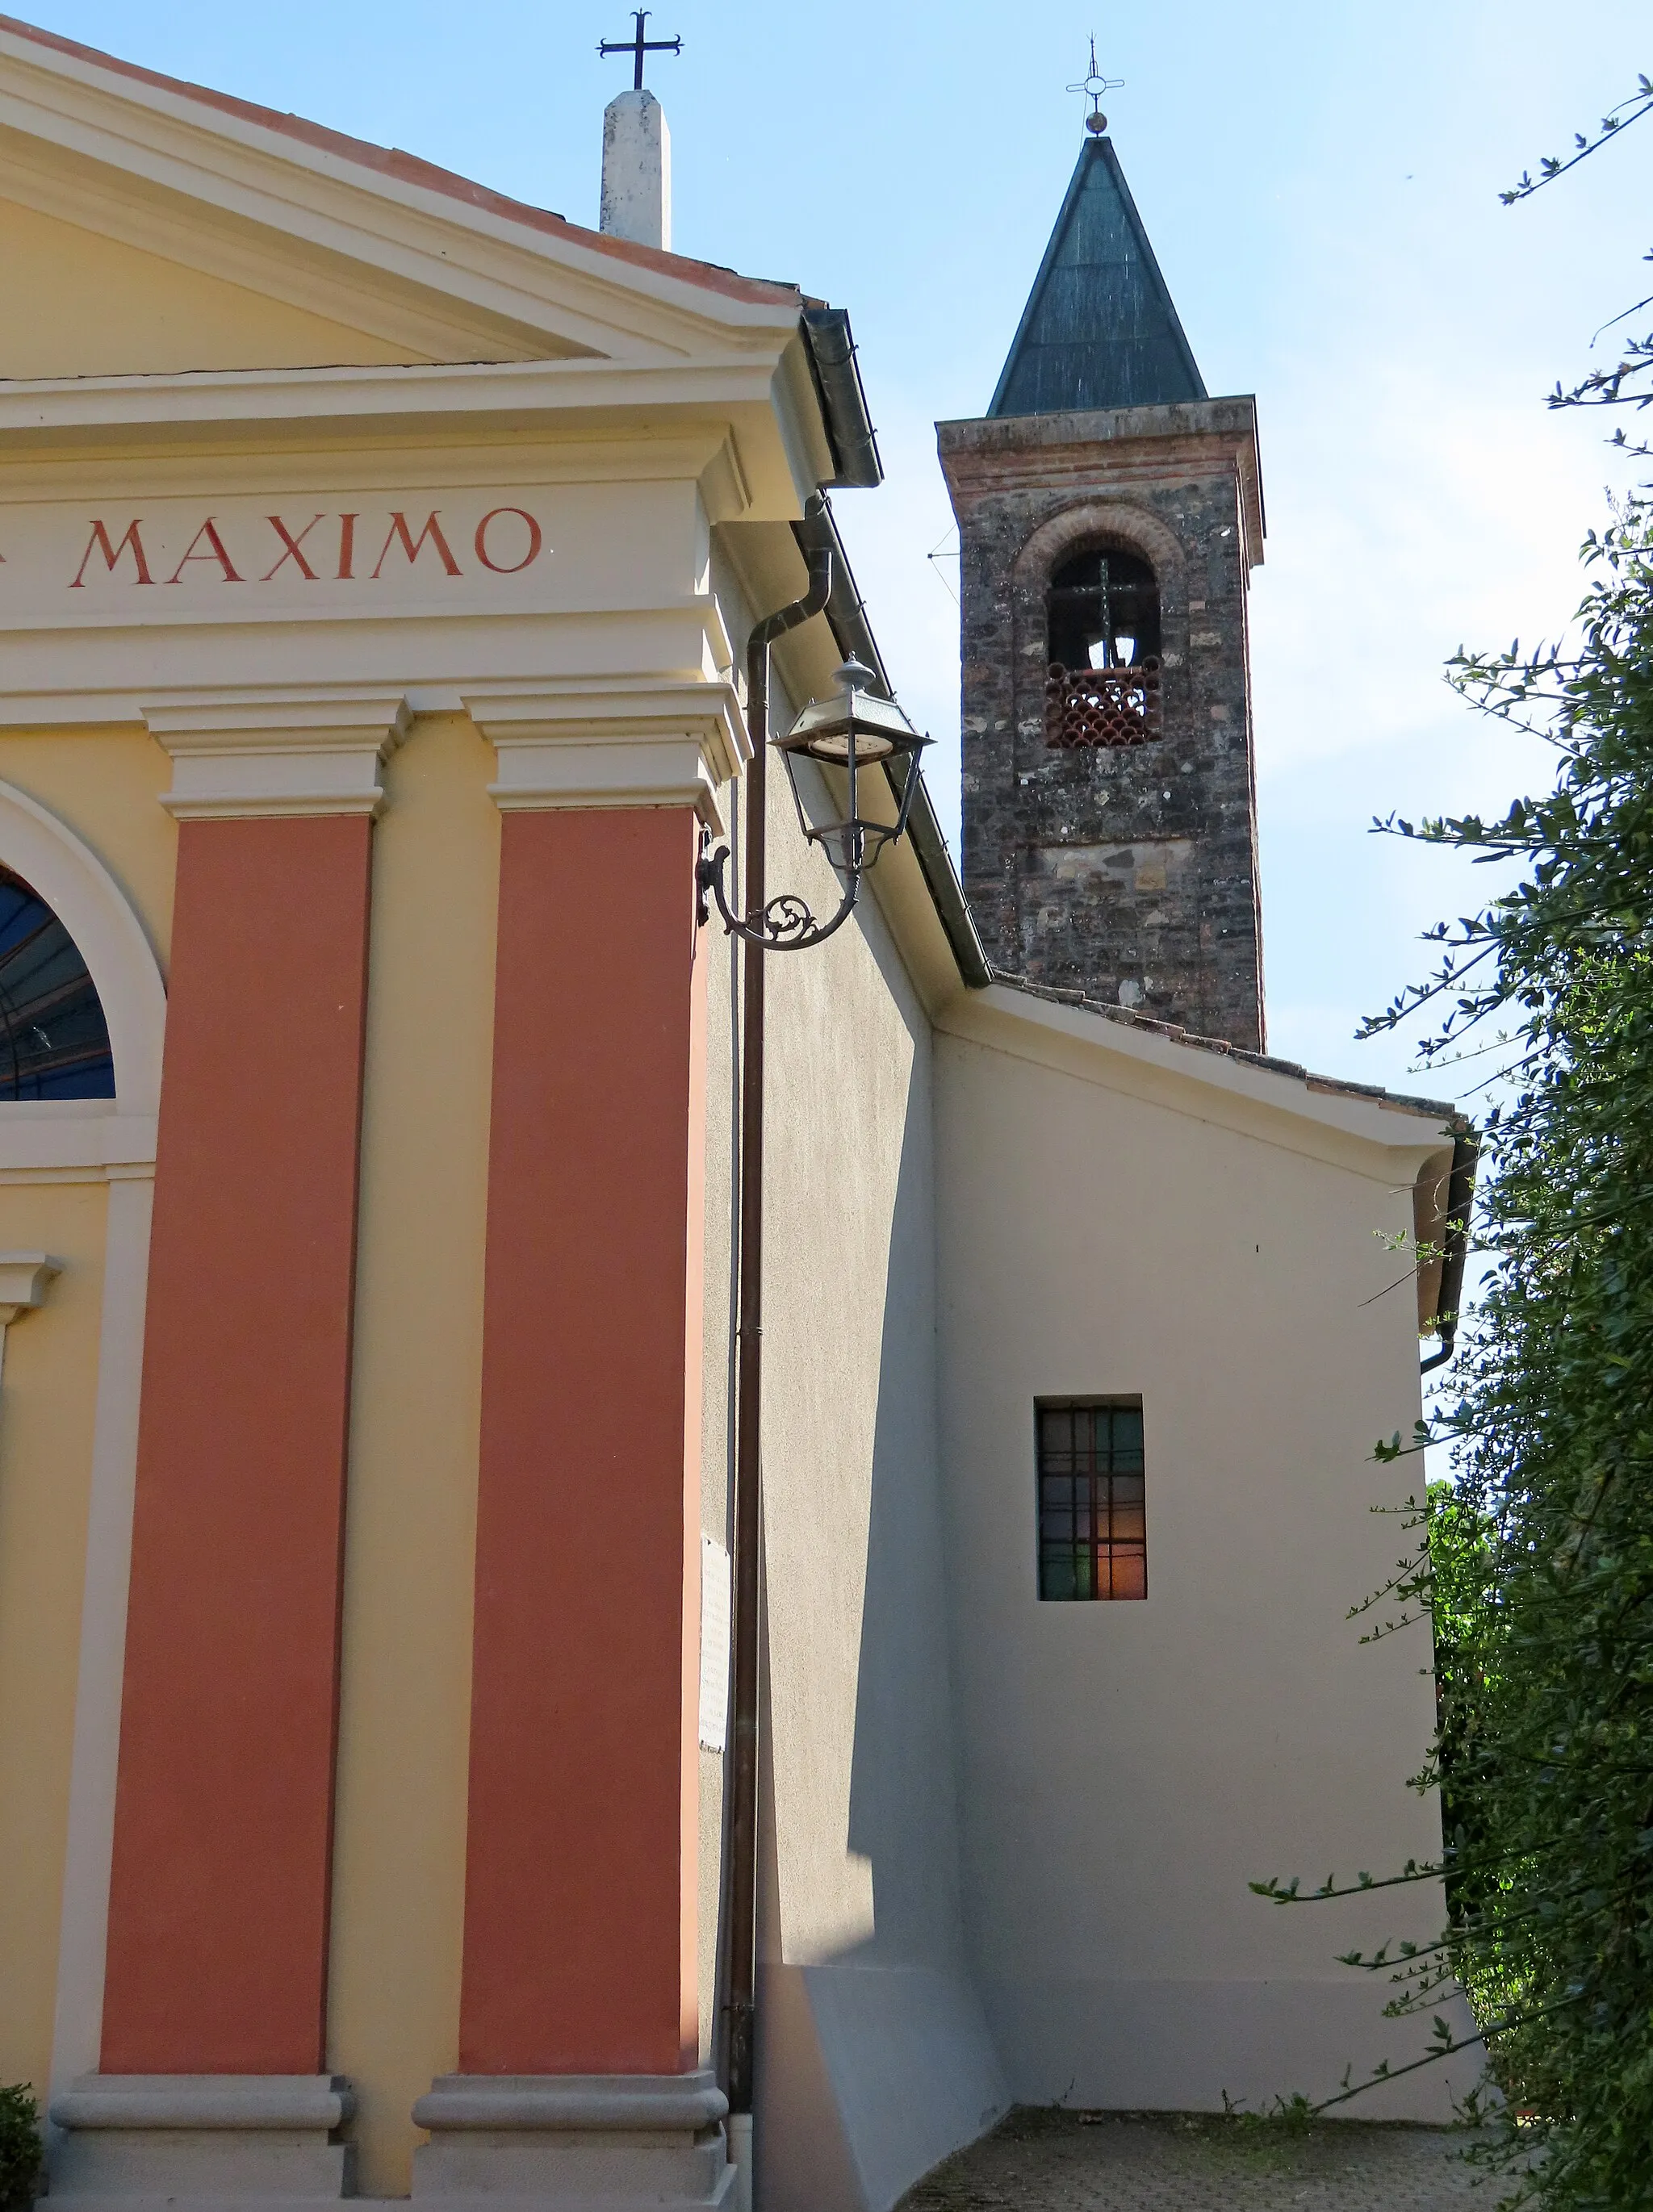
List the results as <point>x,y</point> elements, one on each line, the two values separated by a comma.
<point>1110,515</point>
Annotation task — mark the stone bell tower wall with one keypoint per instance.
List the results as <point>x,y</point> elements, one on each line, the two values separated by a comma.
<point>1127,872</point>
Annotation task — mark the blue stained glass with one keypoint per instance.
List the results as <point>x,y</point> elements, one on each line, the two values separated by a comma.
<point>54,1042</point>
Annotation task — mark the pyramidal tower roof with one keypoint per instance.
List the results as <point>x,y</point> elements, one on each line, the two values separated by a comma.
<point>1099,329</point>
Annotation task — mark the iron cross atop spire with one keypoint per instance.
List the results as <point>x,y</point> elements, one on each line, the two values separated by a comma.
<point>1093,84</point>
<point>637,45</point>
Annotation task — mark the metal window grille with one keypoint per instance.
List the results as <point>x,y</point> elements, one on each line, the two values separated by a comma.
<point>1092,1534</point>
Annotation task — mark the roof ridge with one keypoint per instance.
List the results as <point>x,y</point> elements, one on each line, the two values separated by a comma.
<point>412,169</point>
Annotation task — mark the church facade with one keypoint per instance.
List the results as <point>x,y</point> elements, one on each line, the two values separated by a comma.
<point>378,561</point>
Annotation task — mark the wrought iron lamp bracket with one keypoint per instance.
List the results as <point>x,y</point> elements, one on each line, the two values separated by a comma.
<point>785,923</point>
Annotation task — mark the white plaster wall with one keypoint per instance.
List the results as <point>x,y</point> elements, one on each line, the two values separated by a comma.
<point>874,2059</point>
<point>1127,1768</point>
<point>722,1201</point>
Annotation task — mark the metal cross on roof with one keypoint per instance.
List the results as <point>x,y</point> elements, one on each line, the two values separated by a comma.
<point>637,45</point>
<point>1093,84</point>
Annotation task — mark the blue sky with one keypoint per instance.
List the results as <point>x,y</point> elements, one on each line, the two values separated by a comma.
<point>1320,184</point>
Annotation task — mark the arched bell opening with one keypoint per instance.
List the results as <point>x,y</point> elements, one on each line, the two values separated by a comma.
<point>1102,633</point>
<point>54,1040</point>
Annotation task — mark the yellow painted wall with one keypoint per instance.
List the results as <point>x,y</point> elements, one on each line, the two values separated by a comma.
<point>404,1722</point>
<point>78,304</point>
<point>105,785</point>
<point>46,1407</point>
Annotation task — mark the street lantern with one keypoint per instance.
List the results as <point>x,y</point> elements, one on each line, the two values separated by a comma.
<point>854,733</point>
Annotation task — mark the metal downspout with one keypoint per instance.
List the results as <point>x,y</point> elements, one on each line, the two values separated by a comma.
<point>1460,1195</point>
<point>740,1857</point>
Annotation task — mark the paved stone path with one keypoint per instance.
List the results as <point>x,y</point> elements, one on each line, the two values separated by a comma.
<point>1063,2161</point>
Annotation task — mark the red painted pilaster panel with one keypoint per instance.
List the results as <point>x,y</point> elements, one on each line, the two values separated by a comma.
<point>219,1902</point>
<point>579,1934</point>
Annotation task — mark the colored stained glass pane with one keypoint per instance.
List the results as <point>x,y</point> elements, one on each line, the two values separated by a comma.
<point>1092,1507</point>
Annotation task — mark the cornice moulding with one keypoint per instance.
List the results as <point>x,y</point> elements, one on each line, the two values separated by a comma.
<point>440,389</point>
<point>1233,414</point>
<point>697,449</point>
<point>414,656</point>
<point>1187,442</point>
<point>769,469</point>
<point>45,1139</point>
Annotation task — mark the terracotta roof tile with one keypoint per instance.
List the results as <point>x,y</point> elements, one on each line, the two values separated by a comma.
<point>1404,1102</point>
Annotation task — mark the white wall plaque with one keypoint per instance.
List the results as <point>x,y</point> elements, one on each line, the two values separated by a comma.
<point>713,1644</point>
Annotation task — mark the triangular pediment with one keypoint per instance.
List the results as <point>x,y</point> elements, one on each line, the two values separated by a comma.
<point>151,227</point>
<point>81,304</point>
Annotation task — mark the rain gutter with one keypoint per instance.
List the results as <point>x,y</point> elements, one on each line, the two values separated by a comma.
<point>855,444</point>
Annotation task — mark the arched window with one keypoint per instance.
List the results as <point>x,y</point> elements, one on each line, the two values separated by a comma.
<point>1103,669</point>
<point>54,1042</point>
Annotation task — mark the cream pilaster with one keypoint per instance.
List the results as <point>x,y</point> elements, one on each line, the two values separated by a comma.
<point>580,2083</point>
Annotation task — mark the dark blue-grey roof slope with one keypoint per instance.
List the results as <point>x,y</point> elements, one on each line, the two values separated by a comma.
<point>1099,329</point>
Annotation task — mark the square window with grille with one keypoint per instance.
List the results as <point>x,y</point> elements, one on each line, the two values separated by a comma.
<point>1092,1534</point>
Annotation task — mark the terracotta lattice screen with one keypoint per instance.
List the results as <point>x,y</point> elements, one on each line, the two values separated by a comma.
<point>1101,706</point>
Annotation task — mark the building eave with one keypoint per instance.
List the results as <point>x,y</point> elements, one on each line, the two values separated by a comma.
<point>1278,1099</point>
